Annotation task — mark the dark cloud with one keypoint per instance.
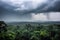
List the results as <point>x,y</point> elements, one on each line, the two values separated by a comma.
<point>6,9</point>
<point>55,8</point>
<point>51,8</point>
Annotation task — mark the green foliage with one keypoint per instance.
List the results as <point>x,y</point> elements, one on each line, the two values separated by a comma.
<point>31,32</point>
<point>44,32</point>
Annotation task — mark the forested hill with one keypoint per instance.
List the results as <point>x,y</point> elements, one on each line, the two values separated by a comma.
<point>47,22</point>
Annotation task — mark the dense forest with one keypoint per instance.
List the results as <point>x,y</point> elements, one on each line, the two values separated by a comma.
<point>29,31</point>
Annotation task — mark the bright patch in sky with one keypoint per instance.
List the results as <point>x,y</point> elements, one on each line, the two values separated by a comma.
<point>53,16</point>
<point>39,16</point>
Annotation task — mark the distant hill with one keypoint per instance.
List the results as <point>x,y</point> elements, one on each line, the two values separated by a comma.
<point>48,22</point>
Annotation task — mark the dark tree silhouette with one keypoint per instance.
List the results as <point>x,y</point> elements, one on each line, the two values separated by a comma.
<point>3,29</point>
<point>3,26</point>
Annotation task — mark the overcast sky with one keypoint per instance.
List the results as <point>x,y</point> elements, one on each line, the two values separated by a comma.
<point>30,10</point>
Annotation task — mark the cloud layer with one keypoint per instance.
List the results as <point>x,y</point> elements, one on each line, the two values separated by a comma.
<point>25,4</point>
<point>45,10</point>
<point>32,6</point>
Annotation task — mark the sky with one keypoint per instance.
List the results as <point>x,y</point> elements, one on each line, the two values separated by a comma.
<point>29,10</point>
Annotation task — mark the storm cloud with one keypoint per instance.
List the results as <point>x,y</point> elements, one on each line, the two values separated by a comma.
<point>28,9</point>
